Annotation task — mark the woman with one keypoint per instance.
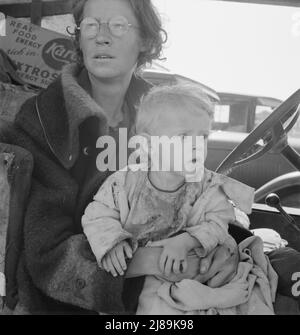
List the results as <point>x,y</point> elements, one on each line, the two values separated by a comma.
<point>57,273</point>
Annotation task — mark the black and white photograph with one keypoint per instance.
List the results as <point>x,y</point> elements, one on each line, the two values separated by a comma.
<point>149,160</point>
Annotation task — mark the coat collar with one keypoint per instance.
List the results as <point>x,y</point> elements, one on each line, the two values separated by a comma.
<point>65,105</point>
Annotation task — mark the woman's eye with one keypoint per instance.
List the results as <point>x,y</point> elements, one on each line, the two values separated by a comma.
<point>91,25</point>
<point>118,26</point>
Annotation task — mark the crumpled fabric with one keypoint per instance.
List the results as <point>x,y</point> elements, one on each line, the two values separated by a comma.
<point>254,266</point>
<point>272,240</point>
<point>13,90</point>
<point>8,70</point>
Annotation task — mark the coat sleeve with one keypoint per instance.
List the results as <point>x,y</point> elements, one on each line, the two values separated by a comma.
<point>212,214</point>
<point>58,261</point>
<point>101,221</point>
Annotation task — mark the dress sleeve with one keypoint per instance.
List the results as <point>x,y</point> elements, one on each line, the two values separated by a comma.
<point>103,219</point>
<point>209,222</point>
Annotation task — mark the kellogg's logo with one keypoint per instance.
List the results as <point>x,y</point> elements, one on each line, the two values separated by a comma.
<point>58,52</point>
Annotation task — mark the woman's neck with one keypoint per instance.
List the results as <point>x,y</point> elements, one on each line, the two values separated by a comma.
<point>110,95</point>
<point>166,181</point>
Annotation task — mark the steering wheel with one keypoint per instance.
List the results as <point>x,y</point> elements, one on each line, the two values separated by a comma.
<point>272,133</point>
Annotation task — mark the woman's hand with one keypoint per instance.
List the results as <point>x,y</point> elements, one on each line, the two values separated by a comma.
<point>115,260</point>
<point>218,267</point>
<point>174,254</point>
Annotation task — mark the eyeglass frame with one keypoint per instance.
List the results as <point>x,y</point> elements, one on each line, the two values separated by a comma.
<point>129,25</point>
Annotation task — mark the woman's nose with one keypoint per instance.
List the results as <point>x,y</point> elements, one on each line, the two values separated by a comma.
<point>103,36</point>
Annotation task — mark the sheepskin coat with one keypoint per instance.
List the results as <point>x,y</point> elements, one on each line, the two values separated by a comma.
<point>57,272</point>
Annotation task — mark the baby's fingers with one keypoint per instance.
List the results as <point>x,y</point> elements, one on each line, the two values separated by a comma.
<point>128,250</point>
<point>116,263</point>
<point>104,264</point>
<point>243,289</point>
<point>110,266</point>
<point>238,284</point>
<point>168,266</point>
<point>184,266</point>
<point>120,257</point>
<point>176,266</point>
<point>162,262</point>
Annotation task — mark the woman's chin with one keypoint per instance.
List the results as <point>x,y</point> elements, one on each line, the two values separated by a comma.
<point>102,72</point>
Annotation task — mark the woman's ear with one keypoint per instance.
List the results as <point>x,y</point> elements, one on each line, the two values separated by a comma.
<point>143,45</point>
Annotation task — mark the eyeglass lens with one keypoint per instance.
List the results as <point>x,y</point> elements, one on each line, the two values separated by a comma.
<point>118,26</point>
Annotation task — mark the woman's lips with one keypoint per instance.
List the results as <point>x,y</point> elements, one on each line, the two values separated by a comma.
<point>103,59</point>
<point>103,56</point>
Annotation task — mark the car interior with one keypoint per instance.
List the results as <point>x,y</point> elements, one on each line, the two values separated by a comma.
<point>277,196</point>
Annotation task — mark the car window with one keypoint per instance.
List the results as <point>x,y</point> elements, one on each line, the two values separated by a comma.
<point>238,48</point>
<point>231,115</point>
<point>295,131</point>
<point>261,113</point>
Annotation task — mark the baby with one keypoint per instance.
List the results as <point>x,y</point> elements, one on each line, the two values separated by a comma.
<point>183,208</point>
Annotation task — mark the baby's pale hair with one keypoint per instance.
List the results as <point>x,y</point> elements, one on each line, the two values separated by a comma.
<point>189,97</point>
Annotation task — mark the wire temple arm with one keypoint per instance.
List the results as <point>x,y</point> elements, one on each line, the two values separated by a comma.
<point>74,32</point>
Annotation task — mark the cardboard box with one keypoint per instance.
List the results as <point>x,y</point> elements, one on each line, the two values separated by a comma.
<point>2,25</point>
<point>39,54</point>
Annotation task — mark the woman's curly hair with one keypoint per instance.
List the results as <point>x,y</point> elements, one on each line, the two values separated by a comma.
<point>152,32</point>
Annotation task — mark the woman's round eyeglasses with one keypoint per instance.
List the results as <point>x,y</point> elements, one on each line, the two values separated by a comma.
<point>118,26</point>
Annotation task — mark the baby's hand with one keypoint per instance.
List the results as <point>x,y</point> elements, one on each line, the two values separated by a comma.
<point>174,255</point>
<point>193,295</point>
<point>232,294</point>
<point>114,261</point>
<point>196,296</point>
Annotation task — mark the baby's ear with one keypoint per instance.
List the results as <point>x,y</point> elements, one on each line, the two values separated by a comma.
<point>144,141</point>
<point>146,136</point>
